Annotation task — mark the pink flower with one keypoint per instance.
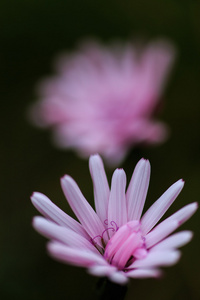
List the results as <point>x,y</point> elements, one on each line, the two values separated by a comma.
<point>104,100</point>
<point>115,241</point>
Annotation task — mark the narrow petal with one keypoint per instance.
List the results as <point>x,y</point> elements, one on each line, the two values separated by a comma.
<point>119,277</point>
<point>157,210</point>
<point>166,227</point>
<point>137,189</point>
<point>156,259</point>
<point>126,250</point>
<point>82,209</point>
<point>102,270</point>
<point>75,257</point>
<point>174,241</point>
<point>117,202</point>
<point>160,232</point>
<point>144,273</point>
<point>101,187</point>
<point>48,209</point>
<point>183,214</point>
<point>62,234</point>
<point>119,238</point>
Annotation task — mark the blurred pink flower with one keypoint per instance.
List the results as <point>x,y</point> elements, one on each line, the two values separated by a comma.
<point>115,241</point>
<point>104,100</point>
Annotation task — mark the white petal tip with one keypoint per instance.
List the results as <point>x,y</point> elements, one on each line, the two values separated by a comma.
<point>101,271</point>
<point>35,220</point>
<point>35,195</point>
<point>95,157</point>
<point>38,198</point>
<point>95,162</point>
<point>143,161</point>
<point>190,209</point>
<point>119,174</point>
<point>39,221</point>
<point>119,278</point>
<point>53,248</point>
<point>196,205</point>
<point>67,180</point>
<point>143,165</point>
<point>177,256</point>
<point>145,273</point>
<point>181,182</point>
<point>188,235</point>
<point>65,177</point>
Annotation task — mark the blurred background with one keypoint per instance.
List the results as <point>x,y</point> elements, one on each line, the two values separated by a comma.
<point>32,33</point>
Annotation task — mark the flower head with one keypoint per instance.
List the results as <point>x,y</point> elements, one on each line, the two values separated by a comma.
<point>115,240</point>
<point>104,100</point>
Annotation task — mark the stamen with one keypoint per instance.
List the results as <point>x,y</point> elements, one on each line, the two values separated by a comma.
<point>112,223</point>
<point>106,222</point>
<point>116,227</point>
<point>92,240</point>
<point>109,228</point>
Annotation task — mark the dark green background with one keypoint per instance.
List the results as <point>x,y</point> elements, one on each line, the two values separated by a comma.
<point>32,32</point>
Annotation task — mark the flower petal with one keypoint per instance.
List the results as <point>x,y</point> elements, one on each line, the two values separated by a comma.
<point>157,210</point>
<point>101,187</point>
<point>118,277</point>
<point>183,214</point>
<point>48,209</point>
<point>174,241</point>
<point>117,202</point>
<point>144,273</point>
<point>119,238</point>
<point>160,232</point>
<point>156,259</point>
<point>102,270</point>
<point>62,234</point>
<point>170,224</point>
<point>82,209</point>
<point>137,190</point>
<point>126,250</point>
<point>77,257</point>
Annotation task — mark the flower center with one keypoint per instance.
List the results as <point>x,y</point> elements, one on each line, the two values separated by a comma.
<point>125,245</point>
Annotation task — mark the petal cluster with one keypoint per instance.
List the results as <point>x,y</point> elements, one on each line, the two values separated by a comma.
<point>114,92</point>
<point>116,240</point>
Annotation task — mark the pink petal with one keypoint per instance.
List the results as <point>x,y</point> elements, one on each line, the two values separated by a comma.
<point>119,278</point>
<point>117,202</point>
<point>102,270</point>
<point>144,273</point>
<point>160,232</point>
<point>126,250</point>
<point>62,234</point>
<point>82,209</point>
<point>48,209</point>
<point>157,210</point>
<point>156,259</point>
<point>159,57</point>
<point>174,241</point>
<point>183,214</point>
<point>77,257</point>
<point>137,190</point>
<point>166,227</point>
<point>119,238</point>
<point>101,187</point>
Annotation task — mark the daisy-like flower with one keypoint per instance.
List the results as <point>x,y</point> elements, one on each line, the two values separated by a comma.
<point>115,241</point>
<point>104,100</point>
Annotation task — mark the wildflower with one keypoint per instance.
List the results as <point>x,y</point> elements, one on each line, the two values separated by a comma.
<point>104,100</point>
<point>115,241</point>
